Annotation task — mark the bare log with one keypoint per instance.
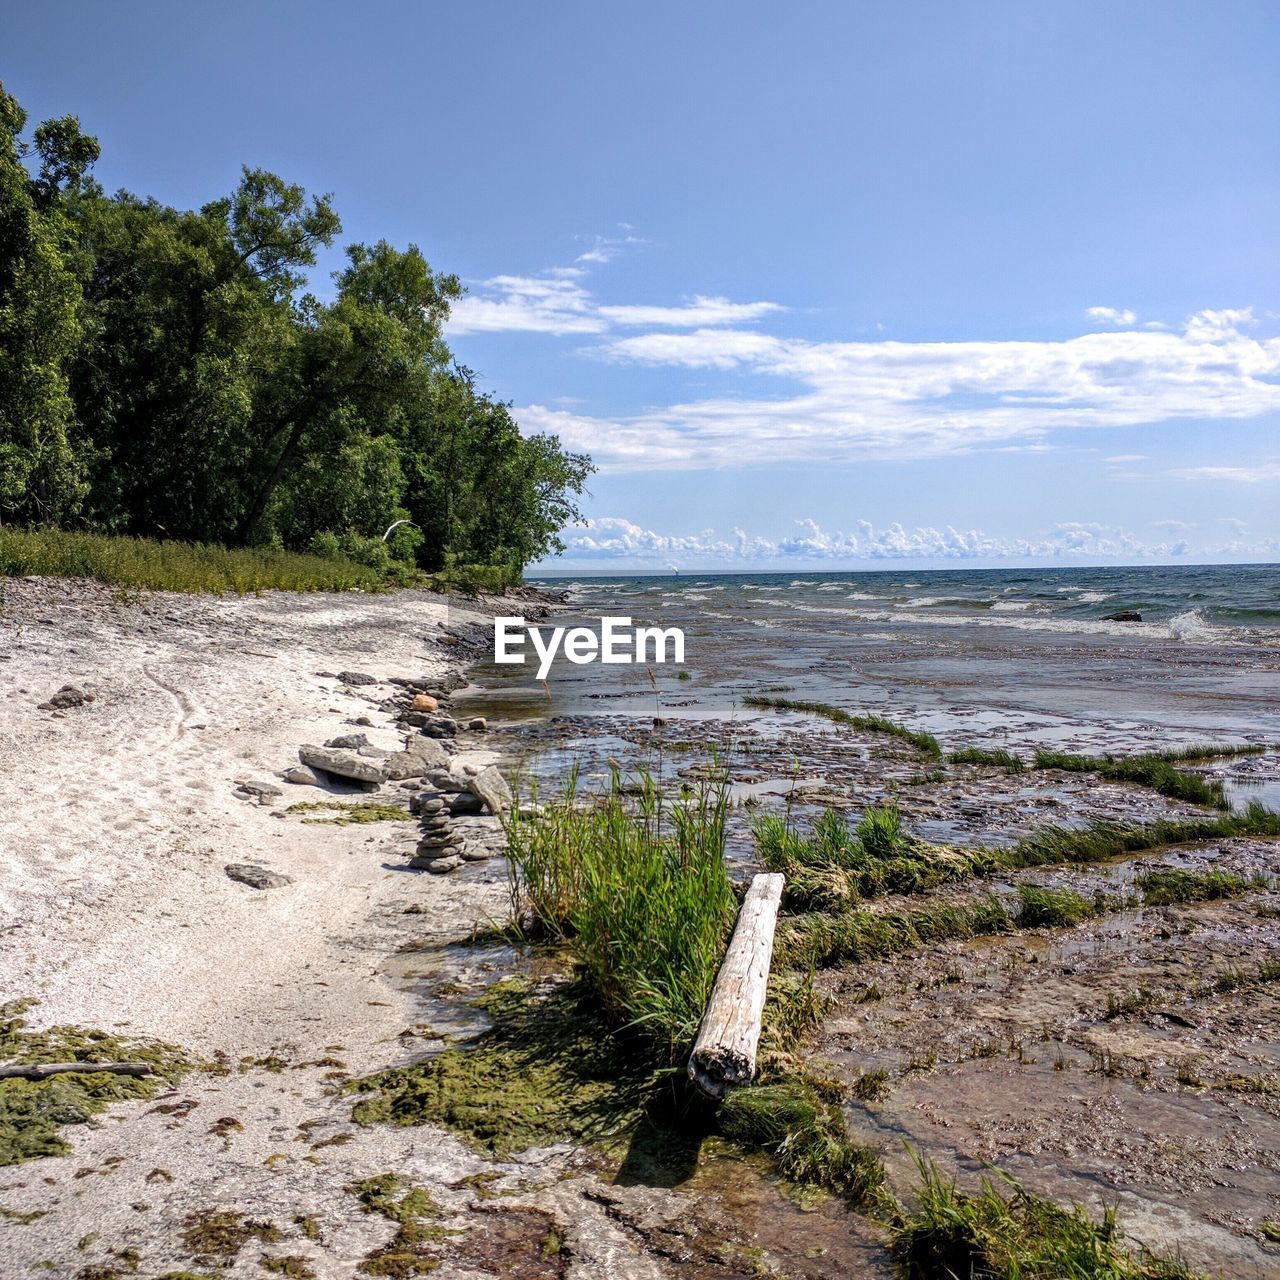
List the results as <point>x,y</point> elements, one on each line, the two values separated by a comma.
<point>724,1053</point>
<point>43,1070</point>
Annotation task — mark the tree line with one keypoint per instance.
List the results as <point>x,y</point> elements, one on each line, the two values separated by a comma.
<point>166,373</point>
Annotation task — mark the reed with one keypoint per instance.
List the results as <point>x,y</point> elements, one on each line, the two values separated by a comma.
<point>637,888</point>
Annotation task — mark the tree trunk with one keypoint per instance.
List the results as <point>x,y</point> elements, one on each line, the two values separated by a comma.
<point>724,1053</point>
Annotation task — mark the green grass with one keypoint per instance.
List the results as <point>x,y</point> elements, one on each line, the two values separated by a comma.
<point>1002,1232</point>
<point>142,563</point>
<point>1042,907</point>
<point>977,755</point>
<point>638,889</point>
<point>836,863</point>
<point>1155,772</point>
<point>820,939</point>
<point>807,1137</point>
<point>925,743</point>
<point>1165,885</point>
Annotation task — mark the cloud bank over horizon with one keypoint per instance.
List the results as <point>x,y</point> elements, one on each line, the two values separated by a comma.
<point>618,541</point>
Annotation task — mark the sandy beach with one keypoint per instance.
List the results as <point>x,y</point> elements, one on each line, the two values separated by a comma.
<point>117,819</point>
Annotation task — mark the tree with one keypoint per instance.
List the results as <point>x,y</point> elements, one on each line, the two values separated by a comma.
<point>40,474</point>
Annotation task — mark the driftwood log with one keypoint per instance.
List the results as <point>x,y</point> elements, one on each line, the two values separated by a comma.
<point>724,1053</point>
<point>43,1070</point>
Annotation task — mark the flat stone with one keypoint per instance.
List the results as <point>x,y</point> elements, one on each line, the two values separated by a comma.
<point>300,776</point>
<point>400,765</point>
<point>345,764</point>
<point>260,788</point>
<point>446,781</point>
<point>357,677</point>
<point>348,741</point>
<point>256,877</point>
<point>464,803</point>
<point>426,803</point>
<point>475,853</point>
<point>436,865</point>
<point>491,788</point>
<point>432,753</point>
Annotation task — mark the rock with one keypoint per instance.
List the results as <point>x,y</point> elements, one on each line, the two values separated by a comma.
<point>446,781</point>
<point>68,696</point>
<point>349,741</point>
<point>428,750</point>
<point>478,723</point>
<point>364,720</point>
<point>438,866</point>
<point>356,677</point>
<point>1124,615</point>
<point>256,877</point>
<point>464,804</point>
<point>261,788</point>
<point>426,802</point>
<point>424,702</point>
<point>490,787</point>
<point>434,726</point>
<point>345,764</point>
<point>400,765</point>
<point>300,776</point>
<point>475,853</point>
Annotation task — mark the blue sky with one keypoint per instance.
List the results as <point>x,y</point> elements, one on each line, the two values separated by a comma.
<point>817,285</point>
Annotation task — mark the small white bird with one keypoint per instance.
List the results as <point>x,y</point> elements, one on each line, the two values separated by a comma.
<point>395,526</point>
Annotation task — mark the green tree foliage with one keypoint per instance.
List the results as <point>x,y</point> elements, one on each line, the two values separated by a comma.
<point>165,373</point>
<point>40,321</point>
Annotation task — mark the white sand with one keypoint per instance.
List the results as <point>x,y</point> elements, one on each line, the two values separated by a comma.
<point>116,821</point>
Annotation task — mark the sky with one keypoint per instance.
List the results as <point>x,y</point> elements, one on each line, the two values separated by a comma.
<point>816,286</point>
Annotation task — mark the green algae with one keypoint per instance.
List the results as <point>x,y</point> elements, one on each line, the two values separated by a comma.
<point>216,1236</point>
<point>547,1071</point>
<point>409,1252</point>
<point>350,812</point>
<point>32,1112</point>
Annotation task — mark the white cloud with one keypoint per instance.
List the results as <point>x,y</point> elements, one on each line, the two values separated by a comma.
<point>1111,316</point>
<point>557,302</point>
<point>613,538</point>
<point>1126,457</point>
<point>699,311</point>
<point>875,400</point>
<point>1173,524</point>
<point>550,303</point>
<point>1240,475</point>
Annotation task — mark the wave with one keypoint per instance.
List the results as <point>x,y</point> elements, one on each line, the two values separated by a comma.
<point>1192,627</point>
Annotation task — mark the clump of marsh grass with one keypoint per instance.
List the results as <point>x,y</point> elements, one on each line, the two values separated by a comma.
<point>977,755</point>
<point>807,1137</point>
<point>637,887</point>
<point>1002,1232</point>
<point>836,863</point>
<point>925,743</point>
<point>1042,907</point>
<point>1102,840</point>
<point>1156,771</point>
<point>1166,885</point>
